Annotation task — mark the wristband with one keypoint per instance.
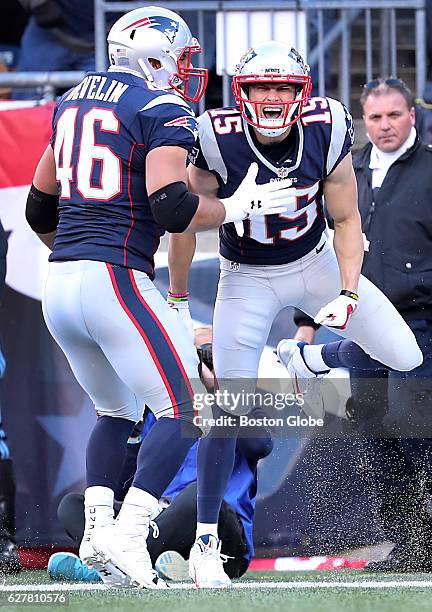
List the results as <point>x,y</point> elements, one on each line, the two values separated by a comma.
<point>350,294</point>
<point>178,297</point>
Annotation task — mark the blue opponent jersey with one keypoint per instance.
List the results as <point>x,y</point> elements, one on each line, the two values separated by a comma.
<point>317,143</point>
<point>103,130</point>
<point>240,493</point>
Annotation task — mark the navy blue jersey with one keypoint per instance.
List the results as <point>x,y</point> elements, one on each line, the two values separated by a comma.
<point>102,131</point>
<point>316,144</point>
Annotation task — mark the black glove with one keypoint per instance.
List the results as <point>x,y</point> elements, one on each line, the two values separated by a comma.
<point>205,355</point>
<point>49,15</point>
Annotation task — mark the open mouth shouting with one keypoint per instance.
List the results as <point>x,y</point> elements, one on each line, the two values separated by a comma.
<point>272,112</point>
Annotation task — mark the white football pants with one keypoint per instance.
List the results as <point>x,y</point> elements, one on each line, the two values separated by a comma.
<point>125,345</point>
<point>249,298</point>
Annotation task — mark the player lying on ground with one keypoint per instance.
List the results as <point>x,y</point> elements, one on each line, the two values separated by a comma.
<point>112,179</point>
<point>283,259</point>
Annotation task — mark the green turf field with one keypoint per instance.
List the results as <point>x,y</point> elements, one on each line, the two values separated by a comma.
<point>337,591</point>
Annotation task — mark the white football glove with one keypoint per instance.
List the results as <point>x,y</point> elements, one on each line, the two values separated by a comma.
<point>182,307</point>
<point>338,312</point>
<point>252,200</point>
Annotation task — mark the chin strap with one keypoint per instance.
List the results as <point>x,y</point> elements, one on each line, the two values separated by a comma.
<point>148,75</point>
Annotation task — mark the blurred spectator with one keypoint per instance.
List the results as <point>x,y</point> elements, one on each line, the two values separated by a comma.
<point>394,186</point>
<point>12,25</point>
<point>58,36</point>
<point>9,560</point>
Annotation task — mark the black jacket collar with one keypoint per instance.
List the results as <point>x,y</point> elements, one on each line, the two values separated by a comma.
<point>361,159</point>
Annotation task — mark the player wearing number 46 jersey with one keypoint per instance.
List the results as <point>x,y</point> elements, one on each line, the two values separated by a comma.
<point>284,259</point>
<point>111,181</point>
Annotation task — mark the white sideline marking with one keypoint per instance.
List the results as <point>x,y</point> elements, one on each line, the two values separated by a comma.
<point>316,584</point>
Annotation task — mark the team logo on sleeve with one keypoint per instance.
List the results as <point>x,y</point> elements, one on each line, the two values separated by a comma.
<point>350,126</point>
<point>167,26</point>
<point>193,155</point>
<point>187,122</point>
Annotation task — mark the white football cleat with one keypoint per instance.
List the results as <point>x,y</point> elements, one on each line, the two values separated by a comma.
<point>125,547</point>
<point>305,382</point>
<point>206,564</point>
<point>111,575</point>
<point>170,565</point>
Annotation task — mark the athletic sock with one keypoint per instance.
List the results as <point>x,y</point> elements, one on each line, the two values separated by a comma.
<point>348,354</point>
<point>161,454</point>
<point>106,451</point>
<point>312,355</point>
<point>98,509</point>
<point>215,462</point>
<point>206,529</point>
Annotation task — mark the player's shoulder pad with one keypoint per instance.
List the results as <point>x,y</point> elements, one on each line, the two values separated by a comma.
<point>209,116</point>
<point>208,142</point>
<point>204,123</point>
<point>325,110</point>
<point>341,118</point>
<point>176,111</point>
<point>161,97</point>
<point>333,121</point>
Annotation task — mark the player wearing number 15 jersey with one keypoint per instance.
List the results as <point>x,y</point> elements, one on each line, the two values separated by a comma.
<point>308,155</point>
<point>112,179</point>
<point>283,259</point>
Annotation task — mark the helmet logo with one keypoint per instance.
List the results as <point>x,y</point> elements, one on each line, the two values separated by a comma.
<point>167,26</point>
<point>250,54</point>
<point>295,55</point>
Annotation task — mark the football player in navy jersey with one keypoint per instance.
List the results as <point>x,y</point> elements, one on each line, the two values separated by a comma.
<point>284,259</point>
<point>112,179</point>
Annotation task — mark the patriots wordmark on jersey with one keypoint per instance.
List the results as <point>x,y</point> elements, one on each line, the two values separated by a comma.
<point>314,147</point>
<point>102,131</point>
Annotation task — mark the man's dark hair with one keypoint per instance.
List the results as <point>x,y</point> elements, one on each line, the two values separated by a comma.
<point>381,86</point>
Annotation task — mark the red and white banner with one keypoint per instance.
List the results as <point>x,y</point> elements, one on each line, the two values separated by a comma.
<point>25,130</point>
<point>305,564</point>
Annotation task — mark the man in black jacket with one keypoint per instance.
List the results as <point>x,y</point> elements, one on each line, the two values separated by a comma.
<point>394,177</point>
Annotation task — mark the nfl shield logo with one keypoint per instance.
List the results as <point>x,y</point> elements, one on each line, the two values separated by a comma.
<point>282,173</point>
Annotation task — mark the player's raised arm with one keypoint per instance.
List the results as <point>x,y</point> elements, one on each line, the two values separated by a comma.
<point>182,247</point>
<point>340,192</point>
<point>178,210</point>
<point>42,201</point>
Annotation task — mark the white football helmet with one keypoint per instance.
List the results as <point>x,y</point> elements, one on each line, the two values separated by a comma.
<point>157,43</point>
<point>271,62</point>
